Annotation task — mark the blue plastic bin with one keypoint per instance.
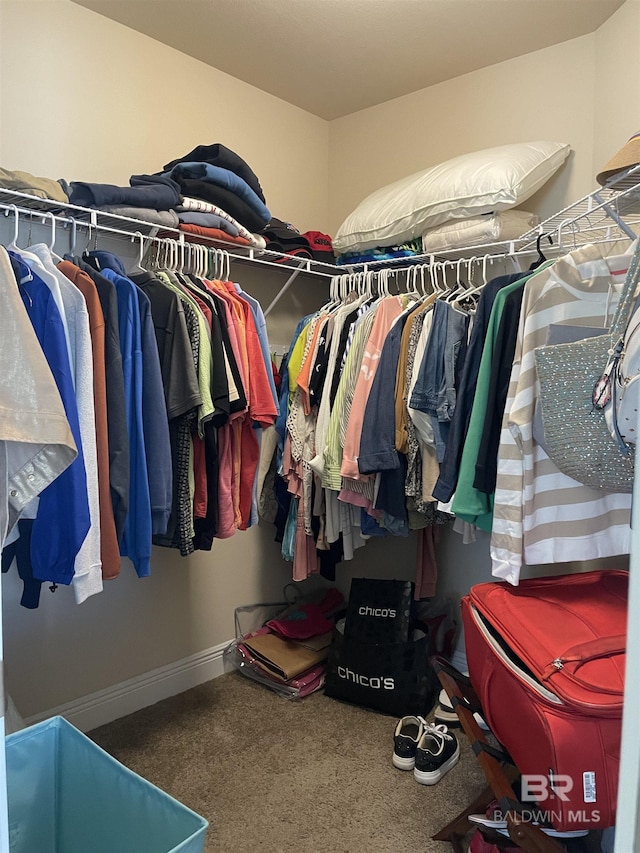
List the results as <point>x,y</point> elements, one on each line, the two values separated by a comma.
<point>67,795</point>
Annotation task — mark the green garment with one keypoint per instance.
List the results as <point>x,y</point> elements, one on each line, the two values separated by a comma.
<point>469,504</point>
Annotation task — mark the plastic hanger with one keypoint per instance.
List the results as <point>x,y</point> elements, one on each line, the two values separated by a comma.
<point>444,287</point>
<point>460,287</point>
<point>541,256</point>
<point>346,287</point>
<point>433,272</point>
<point>463,289</point>
<point>199,270</point>
<point>139,268</point>
<point>451,293</point>
<point>50,245</point>
<point>369,285</point>
<point>74,237</point>
<point>13,245</point>
<point>412,282</point>
<point>383,283</point>
<point>215,263</point>
<point>472,292</point>
<point>357,283</point>
<point>225,263</point>
<point>171,254</point>
<point>484,269</point>
<point>423,287</point>
<point>333,300</point>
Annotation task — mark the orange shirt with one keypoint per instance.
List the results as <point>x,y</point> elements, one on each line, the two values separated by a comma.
<point>109,549</point>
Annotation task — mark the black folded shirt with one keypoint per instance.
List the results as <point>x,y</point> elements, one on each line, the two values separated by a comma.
<point>219,155</point>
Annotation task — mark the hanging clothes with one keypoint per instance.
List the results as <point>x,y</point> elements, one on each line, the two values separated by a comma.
<point>109,550</point>
<point>87,574</point>
<point>62,520</point>
<point>540,514</point>
<point>38,443</point>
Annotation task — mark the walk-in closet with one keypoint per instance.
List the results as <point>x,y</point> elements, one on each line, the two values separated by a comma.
<point>272,488</point>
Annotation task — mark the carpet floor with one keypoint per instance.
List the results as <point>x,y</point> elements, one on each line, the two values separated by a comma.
<point>283,776</point>
<point>273,775</point>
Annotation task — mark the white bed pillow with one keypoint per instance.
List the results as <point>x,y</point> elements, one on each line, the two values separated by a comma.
<point>481,182</point>
<point>488,228</point>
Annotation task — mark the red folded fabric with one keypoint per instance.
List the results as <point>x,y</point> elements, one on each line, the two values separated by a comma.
<point>304,622</point>
<point>211,234</point>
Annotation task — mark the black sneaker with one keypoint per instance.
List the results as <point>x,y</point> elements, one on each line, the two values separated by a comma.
<point>437,752</point>
<point>405,741</point>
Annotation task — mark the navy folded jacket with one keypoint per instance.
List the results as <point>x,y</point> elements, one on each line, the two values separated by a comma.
<point>222,178</point>
<point>153,191</point>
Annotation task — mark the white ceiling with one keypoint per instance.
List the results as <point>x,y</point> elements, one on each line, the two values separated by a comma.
<point>334,57</point>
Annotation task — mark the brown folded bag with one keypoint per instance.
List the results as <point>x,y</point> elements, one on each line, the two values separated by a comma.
<point>288,658</point>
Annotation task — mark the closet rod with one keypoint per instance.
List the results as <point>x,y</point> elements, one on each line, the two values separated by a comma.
<point>64,221</point>
<point>478,259</point>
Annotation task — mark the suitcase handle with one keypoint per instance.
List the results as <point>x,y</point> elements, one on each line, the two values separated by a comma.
<point>603,647</point>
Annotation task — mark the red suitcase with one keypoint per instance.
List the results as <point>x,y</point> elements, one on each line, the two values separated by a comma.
<point>547,659</point>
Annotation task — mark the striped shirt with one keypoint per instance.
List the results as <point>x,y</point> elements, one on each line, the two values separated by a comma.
<point>541,515</point>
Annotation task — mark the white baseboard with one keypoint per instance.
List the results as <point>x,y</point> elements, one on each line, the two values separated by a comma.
<point>124,698</point>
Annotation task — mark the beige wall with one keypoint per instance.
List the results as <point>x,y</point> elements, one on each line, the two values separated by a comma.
<point>85,98</point>
<point>617,82</point>
<point>584,92</point>
<point>547,94</point>
<point>116,103</point>
<point>120,103</point>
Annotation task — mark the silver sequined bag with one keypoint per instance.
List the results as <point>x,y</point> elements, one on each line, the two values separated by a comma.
<point>575,386</point>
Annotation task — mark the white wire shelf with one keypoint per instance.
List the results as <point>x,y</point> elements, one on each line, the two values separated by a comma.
<point>607,214</point>
<point>95,222</point>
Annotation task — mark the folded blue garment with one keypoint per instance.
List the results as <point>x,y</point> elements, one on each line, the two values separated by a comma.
<point>222,178</point>
<point>209,220</point>
<point>151,191</point>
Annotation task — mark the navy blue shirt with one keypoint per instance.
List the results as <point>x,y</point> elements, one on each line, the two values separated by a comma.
<point>136,538</point>
<point>155,422</point>
<point>378,435</point>
<point>450,465</point>
<point>116,410</point>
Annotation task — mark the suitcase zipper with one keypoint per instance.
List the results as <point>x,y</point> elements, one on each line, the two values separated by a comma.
<point>535,685</point>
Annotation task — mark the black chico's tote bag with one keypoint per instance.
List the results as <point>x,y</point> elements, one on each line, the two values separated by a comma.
<point>394,678</point>
<point>378,610</point>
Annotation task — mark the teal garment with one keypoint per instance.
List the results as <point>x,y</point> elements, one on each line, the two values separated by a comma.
<point>469,503</point>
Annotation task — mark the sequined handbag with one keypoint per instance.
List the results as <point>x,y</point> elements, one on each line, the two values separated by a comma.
<point>575,386</point>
